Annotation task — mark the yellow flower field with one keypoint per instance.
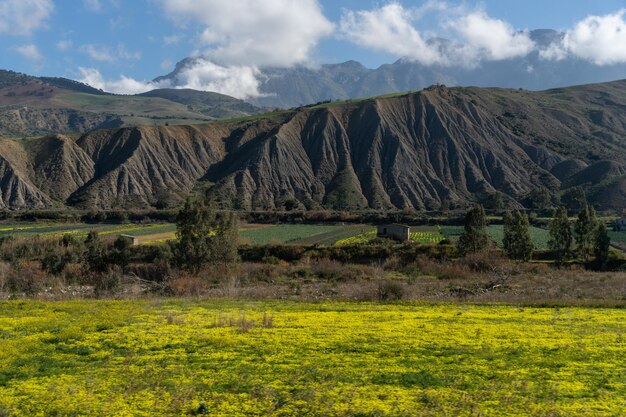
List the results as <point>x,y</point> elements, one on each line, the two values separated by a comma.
<point>235,358</point>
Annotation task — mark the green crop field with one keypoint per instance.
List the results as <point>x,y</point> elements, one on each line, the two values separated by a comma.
<point>80,229</point>
<point>422,235</point>
<point>256,234</point>
<point>236,358</point>
<point>286,233</point>
<point>361,238</point>
<point>331,237</point>
<point>426,237</point>
<point>619,237</point>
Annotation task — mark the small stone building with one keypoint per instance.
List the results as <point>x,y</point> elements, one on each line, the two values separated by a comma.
<point>395,231</point>
<point>132,240</point>
<point>620,225</point>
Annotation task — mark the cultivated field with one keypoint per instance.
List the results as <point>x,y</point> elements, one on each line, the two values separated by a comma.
<point>261,234</point>
<point>227,358</point>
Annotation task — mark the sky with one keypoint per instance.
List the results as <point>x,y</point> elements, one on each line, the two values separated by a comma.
<point>120,45</point>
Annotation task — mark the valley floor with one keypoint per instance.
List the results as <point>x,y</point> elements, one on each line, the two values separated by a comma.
<point>240,358</point>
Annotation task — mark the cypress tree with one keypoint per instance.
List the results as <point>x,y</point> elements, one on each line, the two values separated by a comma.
<point>519,244</point>
<point>95,253</point>
<point>227,239</point>
<point>560,234</point>
<point>204,238</point>
<point>474,238</point>
<point>602,245</point>
<point>507,241</point>
<point>584,230</point>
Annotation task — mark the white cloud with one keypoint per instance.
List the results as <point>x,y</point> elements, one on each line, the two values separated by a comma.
<point>472,36</point>
<point>22,17</point>
<point>124,85</point>
<point>201,74</point>
<point>237,81</point>
<point>554,52</point>
<point>30,52</point>
<point>240,36</point>
<point>125,54</point>
<point>104,54</point>
<point>390,29</point>
<point>469,37</point>
<point>98,53</point>
<point>492,39</point>
<point>256,33</point>
<point>64,45</point>
<point>598,39</point>
<point>167,64</point>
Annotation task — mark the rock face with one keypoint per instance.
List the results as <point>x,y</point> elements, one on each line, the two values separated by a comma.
<point>423,150</point>
<point>16,121</point>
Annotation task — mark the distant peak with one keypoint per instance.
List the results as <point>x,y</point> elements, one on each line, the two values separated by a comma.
<point>352,63</point>
<point>545,37</point>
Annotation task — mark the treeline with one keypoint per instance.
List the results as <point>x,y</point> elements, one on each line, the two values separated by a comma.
<point>413,218</point>
<point>586,239</point>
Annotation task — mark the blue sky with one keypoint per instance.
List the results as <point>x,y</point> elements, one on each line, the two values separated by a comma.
<point>120,44</point>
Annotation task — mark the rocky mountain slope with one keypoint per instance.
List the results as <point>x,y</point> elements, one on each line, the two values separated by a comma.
<point>427,150</point>
<point>31,106</point>
<point>291,87</point>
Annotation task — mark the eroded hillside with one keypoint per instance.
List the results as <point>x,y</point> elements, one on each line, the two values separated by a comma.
<point>424,150</point>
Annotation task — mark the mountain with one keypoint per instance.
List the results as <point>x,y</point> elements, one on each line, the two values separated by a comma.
<point>432,149</point>
<point>32,106</point>
<point>299,86</point>
<point>213,105</point>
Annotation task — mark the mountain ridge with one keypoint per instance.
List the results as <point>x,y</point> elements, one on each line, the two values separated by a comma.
<point>301,85</point>
<point>428,150</point>
<point>34,106</point>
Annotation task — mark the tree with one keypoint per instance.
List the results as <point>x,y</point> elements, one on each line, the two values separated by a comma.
<point>95,253</point>
<point>560,234</point>
<point>474,238</point>
<point>203,237</point>
<point>584,231</point>
<point>518,243</point>
<point>494,201</point>
<point>602,245</point>
<point>119,254</point>
<point>574,198</point>
<point>538,199</point>
<point>226,239</point>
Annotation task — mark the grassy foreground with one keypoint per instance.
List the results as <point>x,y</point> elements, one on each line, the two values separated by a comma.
<point>166,357</point>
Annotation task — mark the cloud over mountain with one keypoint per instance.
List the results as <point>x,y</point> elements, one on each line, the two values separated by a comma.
<point>250,32</point>
<point>237,42</point>
<point>598,39</point>
<point>240,36</point>
<point>469,38</point>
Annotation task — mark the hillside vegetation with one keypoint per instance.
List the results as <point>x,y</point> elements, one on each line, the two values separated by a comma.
<point>31,106</point>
